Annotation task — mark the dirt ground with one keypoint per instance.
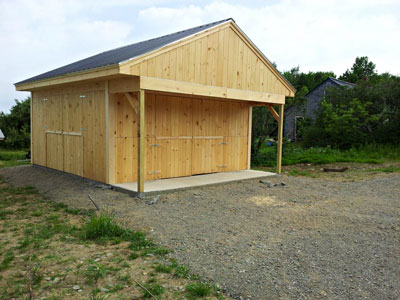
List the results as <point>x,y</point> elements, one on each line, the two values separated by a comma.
<point>310,239</point>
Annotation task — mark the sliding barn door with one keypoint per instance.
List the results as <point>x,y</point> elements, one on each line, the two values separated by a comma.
<point>73,143</point>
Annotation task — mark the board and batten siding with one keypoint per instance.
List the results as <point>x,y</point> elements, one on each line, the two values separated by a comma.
<point>68,129</point>
<point>184,136</point>
<point>221,58</point>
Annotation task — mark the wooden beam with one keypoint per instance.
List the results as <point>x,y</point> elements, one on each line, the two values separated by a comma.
<point>141,146</point>
<point>124,85</point>
<point>69,78</point>
<point>280,138</point>
<point>273,111</point>
<point>249,138</point>
<point>188,88</point>
<point>133,101</point>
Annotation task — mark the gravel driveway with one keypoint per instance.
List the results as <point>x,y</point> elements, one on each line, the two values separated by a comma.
<point>309,239</point>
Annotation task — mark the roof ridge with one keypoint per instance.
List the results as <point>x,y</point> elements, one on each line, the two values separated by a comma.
<point>333,78</point>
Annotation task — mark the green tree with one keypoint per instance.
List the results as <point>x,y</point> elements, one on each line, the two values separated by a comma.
<point>16,125</point>
<point>366,113</point>
<point>362,70</point>
<point>263,126</point>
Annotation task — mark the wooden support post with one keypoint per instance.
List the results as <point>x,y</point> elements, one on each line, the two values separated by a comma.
<point>107,117</point>
<point>280,137</point>
<point>249,138</point>
<point>141,146</point>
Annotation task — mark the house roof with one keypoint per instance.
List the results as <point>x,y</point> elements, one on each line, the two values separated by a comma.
<point>341,82</point>
<point>335,81</point>
<point>119,55</point>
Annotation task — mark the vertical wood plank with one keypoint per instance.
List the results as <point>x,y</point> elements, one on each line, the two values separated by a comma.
<point>249,138</point>
<point>142,141</point>
<point>280,137</point>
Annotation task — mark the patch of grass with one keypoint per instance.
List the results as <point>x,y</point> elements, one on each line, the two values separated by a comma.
<point>153,288</point>
<point>9,257</point>
<point>296,172</point>
<point>94,271</point>
<point>294,153</point>
<point>181,271</point>
<point>133,256</point>
<point>391,169</point>
<point>162,268</point>
<point>103,227</point>
<point>138,241</point>
<point>4,214</point>
<point>199,289</point>
<point>37,213</point>
<point>11,158</point>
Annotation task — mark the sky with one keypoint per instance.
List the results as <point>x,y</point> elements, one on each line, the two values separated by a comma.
<point>317,35</point>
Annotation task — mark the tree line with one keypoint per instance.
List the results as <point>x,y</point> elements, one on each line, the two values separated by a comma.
<point>347,117</point>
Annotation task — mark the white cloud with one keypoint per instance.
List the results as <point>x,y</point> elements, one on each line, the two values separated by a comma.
<point>38,35</point>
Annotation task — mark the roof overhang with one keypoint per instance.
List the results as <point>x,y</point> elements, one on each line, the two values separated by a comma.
<point>98,73</point>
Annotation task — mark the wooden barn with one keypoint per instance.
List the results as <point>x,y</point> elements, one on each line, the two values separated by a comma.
<point>173,106</point>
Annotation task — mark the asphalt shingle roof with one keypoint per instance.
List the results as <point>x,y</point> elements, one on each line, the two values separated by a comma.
<point>116,56</point>
<point>341,82</point>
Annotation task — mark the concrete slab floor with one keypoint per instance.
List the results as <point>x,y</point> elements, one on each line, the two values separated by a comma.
<point>172,184</point>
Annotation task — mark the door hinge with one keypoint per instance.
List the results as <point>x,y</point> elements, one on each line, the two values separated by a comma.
<point>221,166</point>
<point>155,145</point>
<point>223,143</point>
<point>82,96</point>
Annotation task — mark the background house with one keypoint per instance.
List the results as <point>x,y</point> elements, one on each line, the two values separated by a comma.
<point>297,112</point>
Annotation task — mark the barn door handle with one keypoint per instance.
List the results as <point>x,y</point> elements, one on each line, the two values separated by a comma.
<point>155,145</point>
<point>222,166</point>
<point>224,143</point>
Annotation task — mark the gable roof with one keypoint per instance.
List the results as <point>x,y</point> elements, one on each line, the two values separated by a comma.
<point>335,81</point>
<point>119,55</point>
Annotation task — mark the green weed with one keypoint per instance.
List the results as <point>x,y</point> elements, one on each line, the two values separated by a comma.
<point>103,227</point>
<point>163,268</point>
<point>182,271</point>
<point>195,290</point>
<point>154,289</point>
<point>9,257</point>
<point>94,271</point>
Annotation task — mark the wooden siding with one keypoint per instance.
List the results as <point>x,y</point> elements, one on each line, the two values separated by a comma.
<point>222,58</point>
<point>184,136</point>
<point>68,129</point>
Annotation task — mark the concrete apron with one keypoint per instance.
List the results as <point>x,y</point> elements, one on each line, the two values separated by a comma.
<point>169,185</point>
